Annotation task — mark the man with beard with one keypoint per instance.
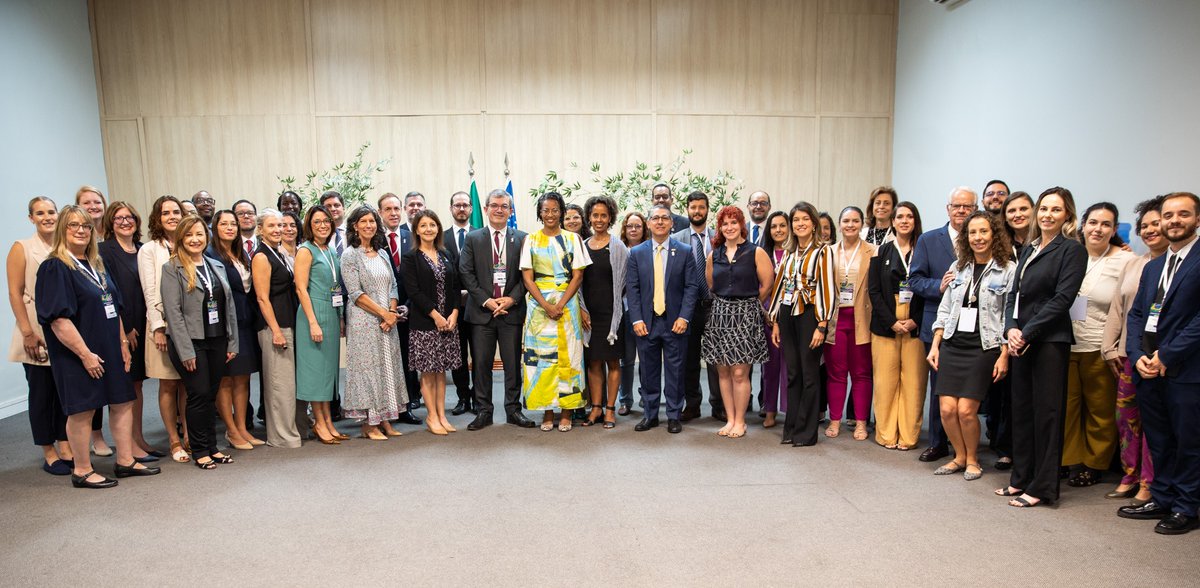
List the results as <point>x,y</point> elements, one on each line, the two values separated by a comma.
<point>399,241</point>
<point>336,205</point>
<point>247,219</point>
<point>660,195</point>
<point>699,237</point>
<point>454,239</point>
<point>994,195</point>
<point>758,207</point>
<point>1164,337</point>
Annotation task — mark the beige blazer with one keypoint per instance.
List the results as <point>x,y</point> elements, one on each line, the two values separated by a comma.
<point>862,301</point>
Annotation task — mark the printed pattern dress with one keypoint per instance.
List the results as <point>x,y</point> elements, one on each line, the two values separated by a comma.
<point>434,350</point>
<point>552,358</point>
<point>375,390</point>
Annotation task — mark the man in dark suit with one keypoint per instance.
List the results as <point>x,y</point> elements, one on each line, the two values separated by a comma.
<point>929,276</point>
<point>490,268</point>
<point>1163,341</point>
<point>399,242</point>
<point>699,238</point>
<point>455,239</point>
<point>660,195</point>
<point>662,284</point>
<point>758,208</point>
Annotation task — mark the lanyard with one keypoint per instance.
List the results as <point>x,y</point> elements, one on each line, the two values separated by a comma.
<point>1169,272</point>
<point>904,261</point>
<point>287,264</point>
<point>89,272</point>
<point>1099,261</point>
<point>973,292</point>
<point>205,278</point>
<point>330,258</point>
<point>498,236</point>
<point>849,262</point>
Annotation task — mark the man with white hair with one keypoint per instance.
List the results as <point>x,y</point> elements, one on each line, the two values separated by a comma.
<point>928,278</point>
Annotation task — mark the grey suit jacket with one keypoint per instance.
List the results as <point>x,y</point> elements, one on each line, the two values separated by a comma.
<point>685,237</point>
<point>475,270</point>
<point>185,310</point>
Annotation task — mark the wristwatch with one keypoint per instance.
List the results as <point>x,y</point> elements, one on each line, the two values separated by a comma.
<point>823,329</point>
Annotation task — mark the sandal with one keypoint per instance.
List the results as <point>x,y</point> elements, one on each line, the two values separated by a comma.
<point>222,459</point>
<point>1086,477</point>
<point>548,423</point>
<point>834,429</point>
<point>564,425</point>
<point>178,454</point>
<point>1022,502</point>
<point>860,431</point>
<point>592,420</point>
<point>1006,492</point>
<point>902,447</point>
<point>610,411</point>
<point>950,468</point>
<point>211,464</point>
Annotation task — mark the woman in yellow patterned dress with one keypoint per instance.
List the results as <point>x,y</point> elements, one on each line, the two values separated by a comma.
<point>552,262</point>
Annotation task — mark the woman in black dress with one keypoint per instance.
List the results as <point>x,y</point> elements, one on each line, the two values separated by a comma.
<point>233,397</point>
<point>1038,328</point>
<point>601,310</point>
<point>633,232</point>
<point>969,322</point>
<point>78,306</point>
<point>119,252</point>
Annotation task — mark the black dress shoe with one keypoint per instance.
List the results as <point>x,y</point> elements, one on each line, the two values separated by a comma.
<point>720,416</point>
<point>127,471</point>
<point>1004,464</point>
<point>934,454</point>
<point>1150,510</point>
<point>408,418</point>
<point>689,414</point>
<point>520,420</point>
<point>674,426</point>
<point>463,406</point>
<point>623,410</point>
<point>646,424</point>
<point>81,481</point>
<point>480,422</point>
<point>1176,524</point>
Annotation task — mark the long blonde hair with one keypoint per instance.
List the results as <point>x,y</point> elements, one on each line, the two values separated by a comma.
<point>179,254</point>
<point>72,213</point>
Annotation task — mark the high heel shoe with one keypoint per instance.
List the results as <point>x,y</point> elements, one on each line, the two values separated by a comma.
<point>256,442</point>
<point>1130,493</point>
<point>435,428</point>
<point>239,446</point>
<point>330,441</point>
<point>449,428</point>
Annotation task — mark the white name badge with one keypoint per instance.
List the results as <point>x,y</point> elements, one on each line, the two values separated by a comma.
<point>214,316</point>
<point>846,294</point>
<point>1152,318</point>
<point>338,300</point>
<point>110,309</point>
<point>500,278</point>
<point>967,317</point>
<point>1079,308</point>
<point>906,293</point>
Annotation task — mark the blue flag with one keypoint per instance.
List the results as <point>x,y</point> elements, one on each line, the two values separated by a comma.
<point>512,216</point>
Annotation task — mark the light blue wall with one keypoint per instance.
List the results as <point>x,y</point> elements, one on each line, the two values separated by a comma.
<point>1099,96</point>
<point>49,130</point>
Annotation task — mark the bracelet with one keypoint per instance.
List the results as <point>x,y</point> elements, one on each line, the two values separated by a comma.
<point>125,341</point>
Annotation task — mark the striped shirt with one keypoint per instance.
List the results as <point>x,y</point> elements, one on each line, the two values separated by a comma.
<point>811,272</point>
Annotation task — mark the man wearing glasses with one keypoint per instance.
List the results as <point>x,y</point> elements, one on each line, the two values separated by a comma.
<point>490,268</point>
<point>993,197</point>
<point>399,241</point>
<point>336,205</point>
<point>759,207</point>
<point>660,195</point>
<point>205,205</point>
<point>247,218</point>
<point>454,239</point>
<point>928,278</point>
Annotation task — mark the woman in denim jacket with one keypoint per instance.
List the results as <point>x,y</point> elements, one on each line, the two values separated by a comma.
<point>970,320</point>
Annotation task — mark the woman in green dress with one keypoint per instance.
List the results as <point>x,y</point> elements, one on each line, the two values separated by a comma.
<point>318,321</point>
<point>552,262</point>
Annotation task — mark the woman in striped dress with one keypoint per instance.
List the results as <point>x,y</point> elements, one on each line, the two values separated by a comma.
<point>803,303</point>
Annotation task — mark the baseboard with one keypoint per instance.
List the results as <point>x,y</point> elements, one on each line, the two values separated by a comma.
<point>13,407</point>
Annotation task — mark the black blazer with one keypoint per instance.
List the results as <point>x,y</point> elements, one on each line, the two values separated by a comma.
<point>475,269</point>
<point>245,311</point>
<point>421,284</point>
<point>883,284</point>
<point>1047,286</point>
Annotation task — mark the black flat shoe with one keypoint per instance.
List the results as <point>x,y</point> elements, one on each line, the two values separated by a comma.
<point>1130,493</point>
<point>482,421</point>
<point>1176,524</point>
<point>408,419</point>
<point>146,459</point>
<point>81,481</point>
<point>646,424</point>
<point>156,453</point>
<point>1084,478</point>
<point>58,468</point>
<point>127,471</point>
<point>934,454</point>
<point>463,407</point>
<point>521,420</point>
<point>674,426</point>
<point>1145,512</point>
<point>624,410</point>
<point>1003,464</point>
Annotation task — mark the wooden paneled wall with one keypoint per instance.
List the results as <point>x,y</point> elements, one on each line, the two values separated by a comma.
<point>793,96</point>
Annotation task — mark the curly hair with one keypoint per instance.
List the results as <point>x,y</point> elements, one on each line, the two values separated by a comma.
<point>727,213</point>
<point>551,197</point>
<point>157,232</point>
<point>1001,250</point>
<point>378,241</point>
<point>594,201</point>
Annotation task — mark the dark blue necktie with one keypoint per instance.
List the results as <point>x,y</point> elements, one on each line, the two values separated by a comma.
<point>698,250</point>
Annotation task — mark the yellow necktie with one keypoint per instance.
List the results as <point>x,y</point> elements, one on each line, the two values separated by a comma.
<point>660,293</point>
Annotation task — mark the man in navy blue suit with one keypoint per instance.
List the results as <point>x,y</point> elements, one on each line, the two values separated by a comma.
<point>1163,340</point>
<point>928,278</point>
<point>661,284</point>
<point>399,241</point>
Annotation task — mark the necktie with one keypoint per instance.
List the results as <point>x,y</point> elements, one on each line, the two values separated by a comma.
<point>495,262</point>
<point>754,234</point>
<point>461,234</point>
<point>698,250</point>
<point>660,292</point>
<point>249,248</point>
<point>1172,265</point>
<point>395,249</point>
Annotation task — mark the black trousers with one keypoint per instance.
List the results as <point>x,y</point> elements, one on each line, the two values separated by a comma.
<point>999,417</point>
<point>1039,400</point>
<point>462,375</point>
<point>1170,413</point>
<point>202,385</point>
<point>692,395</point>
<point>47,420</point>
<point>485,339</point>
<point>803,367</point>
<point>411,381</point>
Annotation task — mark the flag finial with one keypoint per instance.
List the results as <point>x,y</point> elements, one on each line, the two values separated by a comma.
<point>471,164</point>
<point>506,164</point>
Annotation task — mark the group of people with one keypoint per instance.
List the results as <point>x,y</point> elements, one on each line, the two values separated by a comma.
<point>1073,346</point>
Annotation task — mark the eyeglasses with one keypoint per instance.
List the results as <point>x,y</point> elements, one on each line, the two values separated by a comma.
<point>460,205</point>
<point>199,201</point>
<point>120,220</point>
<point>961,206</point>
<point>322,222</point>
<point>757,204</point>
<point>498,206</point>
<point>1000,193</point>
<point>246,214</point>
<point>76,227</point>
<point>659,218</point>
